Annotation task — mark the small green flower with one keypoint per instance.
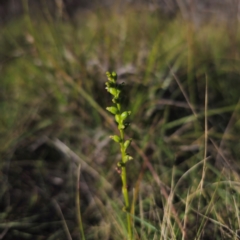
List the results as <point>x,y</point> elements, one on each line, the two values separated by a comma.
<point>127,143</point>
<point>112,110</point>
<point>127,158</point>
<point>116,138</point>
<point>124,115</point>
<point>118,118</point>
<point>112,76</point>
<point>121,126</point>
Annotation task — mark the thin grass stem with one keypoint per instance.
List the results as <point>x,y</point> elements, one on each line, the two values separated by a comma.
<point>78,203</point>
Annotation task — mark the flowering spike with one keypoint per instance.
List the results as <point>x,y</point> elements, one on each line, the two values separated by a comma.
<point>115,89</point>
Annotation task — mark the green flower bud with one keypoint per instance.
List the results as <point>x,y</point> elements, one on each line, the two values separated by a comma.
<point>111,84</point>
<point>112,110</point>
<point>117,118</point>
<point>107,86</point>
<point>121,127</point>
<point>127,158</point>
<point>124,115</point>
<point>120,164</point>
<point>112,90</point>
<point>116,138</point>
<point>114,76</point>
<point>109,76</point>
<point>127,143</point>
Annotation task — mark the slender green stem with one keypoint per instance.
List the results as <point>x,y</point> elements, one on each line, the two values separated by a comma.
<point>125,187</point>
<point>126,198</point>
<point>78,204</point>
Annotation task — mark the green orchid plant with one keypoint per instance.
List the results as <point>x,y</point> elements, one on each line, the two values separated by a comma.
<point>115,90</point>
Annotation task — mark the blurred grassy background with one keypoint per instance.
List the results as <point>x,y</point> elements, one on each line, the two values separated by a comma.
<point>52,105</point>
